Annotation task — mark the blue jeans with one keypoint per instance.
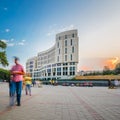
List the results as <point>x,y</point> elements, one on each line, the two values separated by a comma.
<point>17,87</point>
<point>11,88</point>
<point>28,89</point>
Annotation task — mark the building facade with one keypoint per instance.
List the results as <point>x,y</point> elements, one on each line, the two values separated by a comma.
<point>58,62</point>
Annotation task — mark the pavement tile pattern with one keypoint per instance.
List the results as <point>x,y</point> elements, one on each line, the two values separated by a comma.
<point>63,103</point>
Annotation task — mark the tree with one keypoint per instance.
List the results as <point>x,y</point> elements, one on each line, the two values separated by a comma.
<point>3,57</point>
<point>4,74</point>
<point>107,71</point>
<point>117,69</point>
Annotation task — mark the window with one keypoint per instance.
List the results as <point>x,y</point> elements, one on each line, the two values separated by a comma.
<point>58,71</point>
<point>59,37</point>
<point>45,74</point>
<point>72,63</point>
<point>59,51</point>
<point>58,45</point>
<point>53,65</point>
<point>65,36</point>
<point>65,42</point>
<point>59,64</point>
<point>73,35</point>
<point>65,50</point>
<point>72,73</point>
<point>65,69</point>
<point>49,74</point>
<point>48,66</point>
<point>65,57</point>
<point>48,70</point>
<point>71,56</point>
<point>72,49</point>
<point>31,62</point>
<point>72,70</point>
<point>31,66</point>
<point>54,71</point>
<point>71,42</point>
<point>65,64</point>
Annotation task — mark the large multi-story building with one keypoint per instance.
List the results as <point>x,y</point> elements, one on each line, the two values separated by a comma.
<point>58,62</point>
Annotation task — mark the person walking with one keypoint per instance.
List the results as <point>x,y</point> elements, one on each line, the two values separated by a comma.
<point>28,82</point>
<point>17,71</point>
<point>33,83</point>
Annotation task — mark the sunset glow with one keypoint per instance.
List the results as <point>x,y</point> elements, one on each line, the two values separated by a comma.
<point>111,63</point>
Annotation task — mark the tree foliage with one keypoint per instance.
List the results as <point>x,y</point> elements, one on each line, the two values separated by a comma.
<point>3,57</point>
<point>117,69</point>
<point>3,45</point>
<point>4,74</point>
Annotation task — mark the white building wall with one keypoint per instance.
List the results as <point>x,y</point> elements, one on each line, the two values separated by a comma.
<point>31,64</point>
<point>61,38</point>
<point>46,57</point>
<point>56,55</point>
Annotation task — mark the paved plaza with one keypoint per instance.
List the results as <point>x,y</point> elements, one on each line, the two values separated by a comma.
<point>63,103</point>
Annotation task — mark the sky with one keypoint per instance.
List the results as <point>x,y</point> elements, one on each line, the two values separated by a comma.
<point>30,26</point>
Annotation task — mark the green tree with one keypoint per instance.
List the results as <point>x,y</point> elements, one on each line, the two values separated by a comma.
<point>4,74</point>
<point>3,57</point>
<point>107,71</point>
<point>117,69</point>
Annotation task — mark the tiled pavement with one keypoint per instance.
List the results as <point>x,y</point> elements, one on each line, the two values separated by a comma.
<point>63,103</point>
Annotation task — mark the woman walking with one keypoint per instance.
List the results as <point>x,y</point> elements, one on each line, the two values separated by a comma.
<point>28,82</point>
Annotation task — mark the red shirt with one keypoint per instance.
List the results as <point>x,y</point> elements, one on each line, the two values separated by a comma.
<point>17,77</point>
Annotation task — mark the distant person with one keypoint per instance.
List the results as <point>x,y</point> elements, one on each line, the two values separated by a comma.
<point>53,82</point>
<point>28,82</point>
<point>116,83</point>
<point>37,83</point>
<point>34,83</point>
<point>17,71</point>
<point>56,82</point>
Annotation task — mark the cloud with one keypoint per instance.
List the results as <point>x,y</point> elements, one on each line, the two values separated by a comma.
<point>10,44</point>
<point>5,9</point>
<point>7,30</point>
<point>12,39</point>
<point>97,63</point>
<point>54,29</point>
<point>51,33</point>
<point>65,28</point>
<point>21,43</point>
<point>111,62</point>
<point>23,40</point>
